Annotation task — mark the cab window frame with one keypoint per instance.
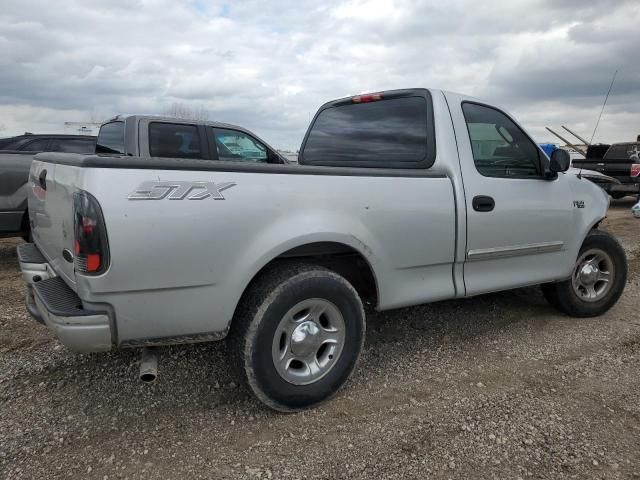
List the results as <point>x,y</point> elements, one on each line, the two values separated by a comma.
<point>430,137</point>
<point>99,147</point>
<point>212,132</point>
<point>541,162</point>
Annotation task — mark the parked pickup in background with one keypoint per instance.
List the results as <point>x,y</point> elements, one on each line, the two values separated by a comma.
<point>15,160</point>
<point>401,198</point>
<point>617,161</point>
<point>153,136</point>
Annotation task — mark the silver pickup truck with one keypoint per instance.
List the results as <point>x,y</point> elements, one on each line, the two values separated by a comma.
<point>401,198</point>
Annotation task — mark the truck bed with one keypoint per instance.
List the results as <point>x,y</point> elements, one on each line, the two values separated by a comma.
<point>168,253</point>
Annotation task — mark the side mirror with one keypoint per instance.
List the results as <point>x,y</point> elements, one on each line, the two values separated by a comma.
<point>560,161</point>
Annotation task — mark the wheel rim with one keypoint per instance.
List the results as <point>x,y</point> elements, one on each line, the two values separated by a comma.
<point>308,341</point>
<point>593,275</point>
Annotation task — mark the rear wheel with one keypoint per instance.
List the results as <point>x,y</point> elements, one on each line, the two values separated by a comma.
<point>297,335</point>
<point>597,280</point>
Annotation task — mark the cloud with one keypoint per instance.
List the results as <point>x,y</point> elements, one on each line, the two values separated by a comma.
<point>269,65</point>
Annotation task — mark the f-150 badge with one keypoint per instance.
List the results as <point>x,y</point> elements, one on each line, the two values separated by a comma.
<point>180,190</point>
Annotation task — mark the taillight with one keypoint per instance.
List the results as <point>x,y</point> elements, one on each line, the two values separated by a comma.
<point>366,98</point>
<point>91,248</point>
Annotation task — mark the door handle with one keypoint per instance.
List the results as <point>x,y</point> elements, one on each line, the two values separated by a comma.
<point>482,203</point>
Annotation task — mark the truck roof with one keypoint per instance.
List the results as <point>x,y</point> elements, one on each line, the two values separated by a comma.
<point>164,118</point>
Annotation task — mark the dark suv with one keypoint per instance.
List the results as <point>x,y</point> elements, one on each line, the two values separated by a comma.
<point>16,154</point>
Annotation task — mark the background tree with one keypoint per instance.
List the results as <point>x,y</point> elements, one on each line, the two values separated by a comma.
<point>185,112</point>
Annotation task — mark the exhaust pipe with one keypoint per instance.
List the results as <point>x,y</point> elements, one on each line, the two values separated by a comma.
<point>149,365</point>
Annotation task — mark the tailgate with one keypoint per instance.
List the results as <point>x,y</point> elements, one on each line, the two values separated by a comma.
<point>51,189</point>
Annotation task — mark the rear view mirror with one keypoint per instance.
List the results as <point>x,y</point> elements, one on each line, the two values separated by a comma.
<point>560,161</point>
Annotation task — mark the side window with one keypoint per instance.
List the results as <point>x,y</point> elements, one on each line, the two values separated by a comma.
<point>174,140</point>
<point>500,148</point>
<point>236,146</point>
<point>73,145</point>
<point>392,133</point>
<point>111,138</point>
<point>39,145</point>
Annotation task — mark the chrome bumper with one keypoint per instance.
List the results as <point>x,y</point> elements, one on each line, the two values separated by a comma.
<point>52,302</point>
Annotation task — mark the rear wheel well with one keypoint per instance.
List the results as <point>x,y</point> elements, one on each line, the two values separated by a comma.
<point>340,258</point>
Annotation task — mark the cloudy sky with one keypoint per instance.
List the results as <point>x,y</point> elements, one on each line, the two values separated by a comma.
<point>268,65</point>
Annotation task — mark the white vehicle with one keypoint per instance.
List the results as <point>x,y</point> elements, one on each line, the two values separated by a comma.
<point>401,197</point>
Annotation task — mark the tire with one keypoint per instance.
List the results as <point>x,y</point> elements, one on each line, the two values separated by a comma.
<point>273,337</point>
<point>617,195</point>
<point>578,296</point>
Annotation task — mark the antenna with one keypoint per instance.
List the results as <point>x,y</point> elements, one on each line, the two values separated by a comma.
<point>605,102</point>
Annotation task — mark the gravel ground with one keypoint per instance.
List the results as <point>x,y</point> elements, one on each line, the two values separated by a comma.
<point>498,386</point>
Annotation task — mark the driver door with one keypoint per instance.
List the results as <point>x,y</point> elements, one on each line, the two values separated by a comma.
<point>518,222</point>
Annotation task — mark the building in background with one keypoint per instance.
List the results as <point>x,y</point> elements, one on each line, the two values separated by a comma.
<point>81,128</point>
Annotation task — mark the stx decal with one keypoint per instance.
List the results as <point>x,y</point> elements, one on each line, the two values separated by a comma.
<point>180,190</point>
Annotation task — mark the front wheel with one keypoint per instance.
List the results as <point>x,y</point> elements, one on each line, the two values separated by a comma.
<point>297,335</point>
<point>597,280</point>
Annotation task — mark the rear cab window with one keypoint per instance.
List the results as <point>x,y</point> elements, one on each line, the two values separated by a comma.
<point>111,138</point>
<point>623,152</point>
<point>395,131</point>
<point>174,140</point>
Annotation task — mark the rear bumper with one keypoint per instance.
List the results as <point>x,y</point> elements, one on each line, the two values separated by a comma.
<point>51,301</point>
